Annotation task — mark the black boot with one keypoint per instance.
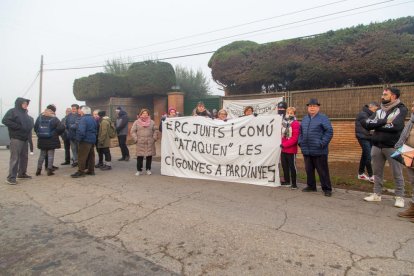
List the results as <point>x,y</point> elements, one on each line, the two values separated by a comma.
<point>50,172</point>
<point>38,172</point>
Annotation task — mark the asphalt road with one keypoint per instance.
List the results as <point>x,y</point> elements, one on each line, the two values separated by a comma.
<point>116,223</point>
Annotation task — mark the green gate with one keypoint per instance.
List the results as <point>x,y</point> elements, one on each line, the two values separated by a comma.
<point>210,104</point>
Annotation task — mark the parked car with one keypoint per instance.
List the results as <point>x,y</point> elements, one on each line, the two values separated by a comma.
<point>4,136</point>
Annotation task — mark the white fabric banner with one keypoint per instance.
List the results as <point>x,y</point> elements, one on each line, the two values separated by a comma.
<point>235,108</point>
<point>242,150</point>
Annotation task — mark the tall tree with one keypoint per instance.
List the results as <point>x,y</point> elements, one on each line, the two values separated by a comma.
<point>193,83</point>
<point>116,67</point>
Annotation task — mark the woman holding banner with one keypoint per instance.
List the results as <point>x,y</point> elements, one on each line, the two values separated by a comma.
<point>290,135</point>
<point>144,134</point>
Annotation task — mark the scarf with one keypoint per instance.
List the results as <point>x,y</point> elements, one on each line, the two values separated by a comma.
<point>388,106</point>
<point>286,127</point>
<point>144,122</point>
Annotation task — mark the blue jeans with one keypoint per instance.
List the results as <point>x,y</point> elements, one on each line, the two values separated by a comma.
<point>365,161</point>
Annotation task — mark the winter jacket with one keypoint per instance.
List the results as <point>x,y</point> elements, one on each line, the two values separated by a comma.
<point>315,135</point>
<point>18,121</point>
<point>56,127</point>
<point>360,131</point>
<point>72,123</point>
<point>86,131</point>
<point>64,135</point>
<point>122,123</point>
<point>104,141</point>
<point>290,145</point>
<point>144,138</point>
<point>205,113</point>
<point>386,135</point>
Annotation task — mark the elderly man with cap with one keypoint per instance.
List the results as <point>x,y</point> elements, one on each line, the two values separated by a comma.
<point>48,128</point>
<point>315,135</point>
<point>387,123</point>
<point>122,130</point>
<point>20,126</point>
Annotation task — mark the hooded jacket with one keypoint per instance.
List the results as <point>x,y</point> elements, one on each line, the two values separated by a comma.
<point>386,134</point>
<point>360,131</point>
<point>72,123</point>
<point>18,121</point>
<point>122,123</point>
<point>56,127</point>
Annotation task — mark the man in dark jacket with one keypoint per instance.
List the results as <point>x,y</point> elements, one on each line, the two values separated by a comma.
<point>387,123</point>
<point>20,127</point>
<point>364,139</point>
<point>122,131</point>
<point>65,138</point>
<point>48,128</point>
<point>72,122</point>
<point>86,137</point>
<point>315,135</point>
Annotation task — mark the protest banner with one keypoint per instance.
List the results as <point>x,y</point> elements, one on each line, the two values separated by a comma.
<point>244,150</point>
<point>267,106</point>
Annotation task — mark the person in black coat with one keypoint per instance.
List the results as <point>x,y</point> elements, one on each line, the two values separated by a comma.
<point>364,138</point>
<point>48,128</point>
<point>20,127</point>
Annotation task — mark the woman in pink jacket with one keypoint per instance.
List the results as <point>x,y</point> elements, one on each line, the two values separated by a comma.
<point>290,135</point>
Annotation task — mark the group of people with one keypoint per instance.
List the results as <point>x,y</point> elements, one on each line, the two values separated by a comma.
<point>379,130</point>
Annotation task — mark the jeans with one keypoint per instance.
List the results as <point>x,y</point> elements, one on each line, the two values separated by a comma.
<point>50,155</point>
<point>74,147</point>
<point>365,161</point>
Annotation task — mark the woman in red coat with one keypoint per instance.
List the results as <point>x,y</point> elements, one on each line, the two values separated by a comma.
<point>290,135</point>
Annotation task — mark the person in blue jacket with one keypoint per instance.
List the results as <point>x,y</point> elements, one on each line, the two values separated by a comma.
<point>86,138</point>
<point>315,134</point>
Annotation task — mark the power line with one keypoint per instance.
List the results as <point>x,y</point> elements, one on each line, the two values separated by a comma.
<point>100,66</point>
<point>247,33</point>
<point>260,30</point>
<point>204,33</point>
<point>31,85</point>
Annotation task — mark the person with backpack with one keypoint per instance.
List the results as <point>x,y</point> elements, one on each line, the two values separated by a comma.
<point>20,128</point>
<point>48,128</point>
<point>106,133</point>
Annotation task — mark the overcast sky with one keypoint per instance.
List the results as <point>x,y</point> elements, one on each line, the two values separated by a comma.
<point>79,33</point>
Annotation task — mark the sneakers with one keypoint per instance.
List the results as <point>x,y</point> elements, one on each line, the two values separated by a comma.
<point>65,163</point>
<point>285,184</point>
<point>149,172</point>
<point>11,181</point>
<point>106,168</point>
<point>399,202</point>
<point>373,197</point>
<point>99,165</point>
<point>138,173</point>
<point>371,179</point>
<point>328,193</point>
<point>74,164</point>
<point>363,177</point>
<point>294,187</point>
<point>24,177</point>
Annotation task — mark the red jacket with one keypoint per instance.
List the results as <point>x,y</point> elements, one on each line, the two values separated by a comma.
<point>290,145</point>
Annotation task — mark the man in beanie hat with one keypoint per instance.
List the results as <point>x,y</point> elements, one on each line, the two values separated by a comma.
<point>315,135</point>
<point>122,130</point>
<point>48,128</point>
<point>104,141</point>
<point>20,127</point>
<point>387,123</point>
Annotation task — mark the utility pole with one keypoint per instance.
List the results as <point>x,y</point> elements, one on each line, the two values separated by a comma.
<point>40,85</point>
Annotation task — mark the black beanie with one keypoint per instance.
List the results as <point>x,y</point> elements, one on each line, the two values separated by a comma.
<point>102,113</point>
<point>51,107</point>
